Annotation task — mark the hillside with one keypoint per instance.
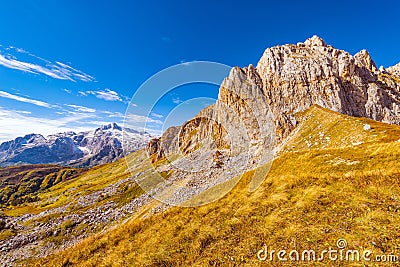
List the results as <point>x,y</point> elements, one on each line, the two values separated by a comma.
<point>20,184</point>
<point>335,177</point>
<point>71,209</point>
<point>298,152</point>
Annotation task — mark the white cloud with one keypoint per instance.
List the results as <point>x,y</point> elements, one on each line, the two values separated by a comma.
<point>176,100</point>
<point>97,123</point>
<point>20,50</point>
<point>82,108</point>
<point>158,116</point>
<point>114,114</point>
<point>55,70</point>
<point>19,123</point>
<point>16,124</point>
<point>81,93</point>
<point>107,94</point>
<point>25,100</point>
<point>133,118</point>
<point>67,91</point>
<point>23,112</point>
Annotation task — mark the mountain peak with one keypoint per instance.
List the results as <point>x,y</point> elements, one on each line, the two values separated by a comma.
<point>83,149</point>
<point>111,126</point>
<point>363,58</point>
<point>395,70</point>
<point>291,79</point>
<point>315,41</point>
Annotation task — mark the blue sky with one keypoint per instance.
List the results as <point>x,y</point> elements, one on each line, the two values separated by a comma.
<point>74,65</point>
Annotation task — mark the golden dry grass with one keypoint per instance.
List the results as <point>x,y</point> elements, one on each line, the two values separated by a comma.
<point>310,198</point>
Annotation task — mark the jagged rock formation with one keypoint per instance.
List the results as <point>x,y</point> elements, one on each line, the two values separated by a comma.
<point>289,79</point>
<point>78,149</point>
<point>166,146</point>
<point>239,121</point>
<point>298,76</point>
<point>394,70</point>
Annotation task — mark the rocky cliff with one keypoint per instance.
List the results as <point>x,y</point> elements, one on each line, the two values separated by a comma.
<point>287,79</point>
<point>298,76</point>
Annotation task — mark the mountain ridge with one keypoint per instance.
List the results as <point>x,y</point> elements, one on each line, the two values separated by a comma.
<point>291,78</point>
<point>83,149</point>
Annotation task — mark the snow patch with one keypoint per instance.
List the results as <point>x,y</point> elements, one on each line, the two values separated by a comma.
<point>367,127</point>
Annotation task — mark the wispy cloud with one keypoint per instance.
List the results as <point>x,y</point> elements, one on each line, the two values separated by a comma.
<point>21,124</point>
<point>73,118</point>
<point>106,94</point>
<point>143,123</point>
<point>82,108</point>
<point>25,100</point>
<point>82,93</point>
<point>23,112</point>
<point>37,65</point>
<point>133,118</point>
<point>176,100</point>
<point>158,116</point>
<point>113,114</point>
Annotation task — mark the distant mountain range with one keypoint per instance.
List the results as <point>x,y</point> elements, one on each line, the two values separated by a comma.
<point>84,149</point>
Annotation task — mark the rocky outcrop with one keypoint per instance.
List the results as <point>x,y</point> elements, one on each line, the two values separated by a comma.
<point>298,76</point>
<point>161,147</point>
<point>394,70</point>
<point>239,121</point>
<point>364,59</point>
<point>289,79</point>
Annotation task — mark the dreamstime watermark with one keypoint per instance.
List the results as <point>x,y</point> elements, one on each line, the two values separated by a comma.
<point>339,253</point>
<point>244,122</point>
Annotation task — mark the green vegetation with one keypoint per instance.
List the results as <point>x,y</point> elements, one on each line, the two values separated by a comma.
<point>21,184</point>
<point>43,188</point>
<point>344,186</point>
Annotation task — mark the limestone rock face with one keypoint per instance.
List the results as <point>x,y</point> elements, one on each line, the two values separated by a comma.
<point>394,70</point>
<point>165,145</point>
<point>364,59</point>
<point>239,121</point>
<point>289,79</point>
<point>315,41</point>
<point>298,76</point>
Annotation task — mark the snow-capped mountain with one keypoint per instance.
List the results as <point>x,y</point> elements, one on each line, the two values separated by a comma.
<point>69,148</point>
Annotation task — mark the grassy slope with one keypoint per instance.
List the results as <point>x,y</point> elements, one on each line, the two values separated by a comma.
<point>21,184</point>
<point>313,195</point>
<point>68,191</point>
